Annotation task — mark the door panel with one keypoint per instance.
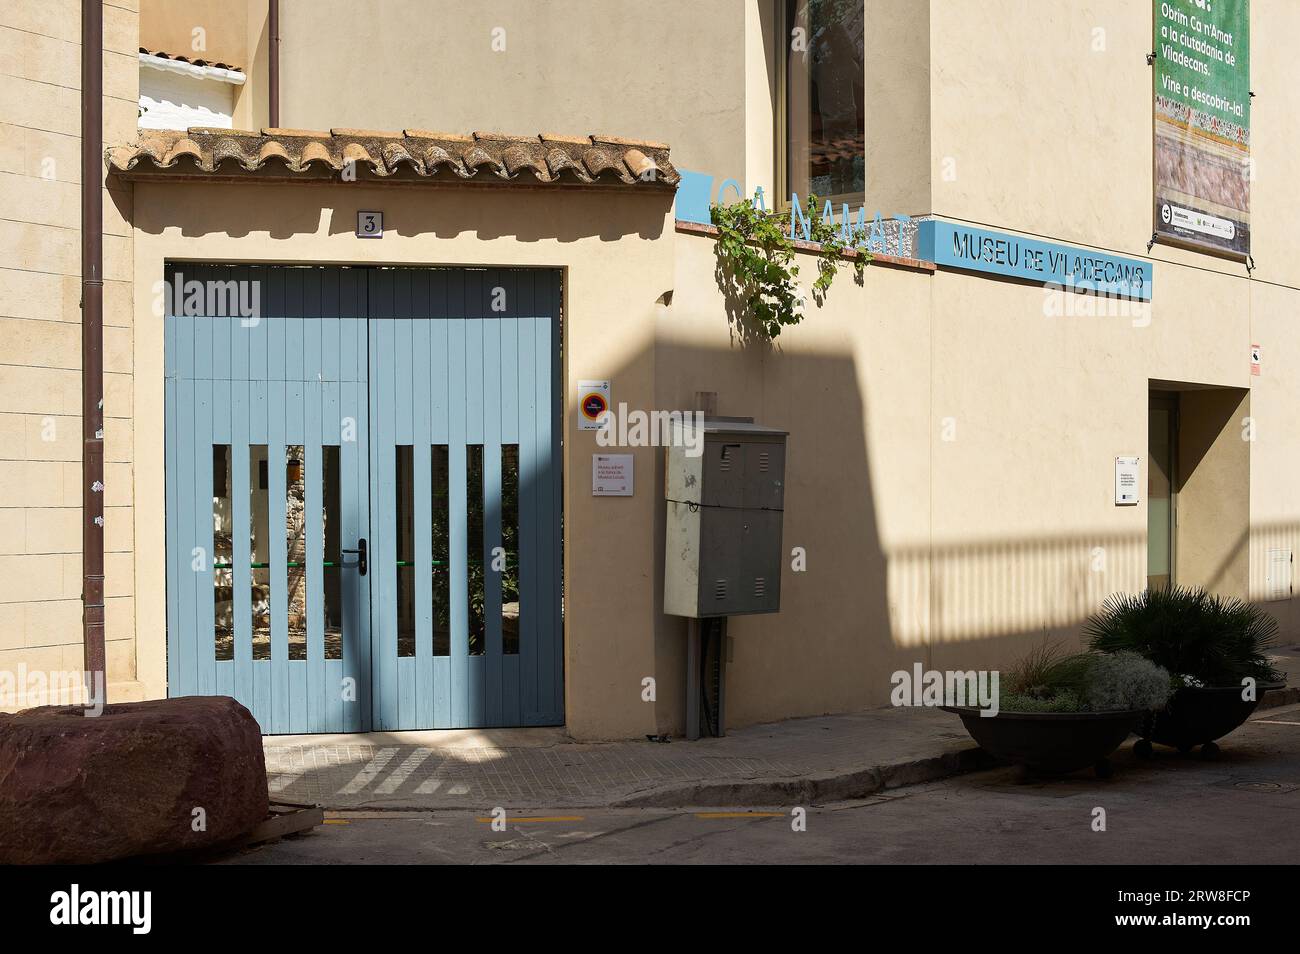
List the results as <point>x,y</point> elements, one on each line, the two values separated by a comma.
<point>254,407</point>
<point>415,409</point>
<point>468,395</point>
<point>1162,429</point>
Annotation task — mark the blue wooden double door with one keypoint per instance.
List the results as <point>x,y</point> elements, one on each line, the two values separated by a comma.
<point>363,494</point>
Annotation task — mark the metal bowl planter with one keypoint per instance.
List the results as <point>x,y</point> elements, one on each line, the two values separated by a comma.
<point>1197,716</point>
<point>1050,743</point>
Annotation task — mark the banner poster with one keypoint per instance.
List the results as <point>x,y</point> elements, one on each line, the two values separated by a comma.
<point>1202,124</point>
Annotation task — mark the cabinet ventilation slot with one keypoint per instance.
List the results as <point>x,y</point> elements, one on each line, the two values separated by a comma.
<point>762,462</point>
<point>760,587</point>
<point>720,589</point>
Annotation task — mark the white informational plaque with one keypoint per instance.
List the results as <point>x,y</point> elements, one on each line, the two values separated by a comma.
<point>611,475</point>
<point>1126,481</point>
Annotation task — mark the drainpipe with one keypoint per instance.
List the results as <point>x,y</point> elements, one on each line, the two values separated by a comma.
<point>92,344</point>
<point>273,64</point>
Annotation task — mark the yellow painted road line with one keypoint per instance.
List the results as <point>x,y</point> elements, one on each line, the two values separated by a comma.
<point>511,819</point>
<point>337,821</point>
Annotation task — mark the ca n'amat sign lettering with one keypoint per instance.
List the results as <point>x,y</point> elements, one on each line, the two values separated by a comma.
<point>958,246</point>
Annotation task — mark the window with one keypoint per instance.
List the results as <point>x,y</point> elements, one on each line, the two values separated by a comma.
<point>824,145</point>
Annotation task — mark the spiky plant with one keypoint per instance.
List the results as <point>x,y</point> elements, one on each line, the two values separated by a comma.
<point>1214,640</point>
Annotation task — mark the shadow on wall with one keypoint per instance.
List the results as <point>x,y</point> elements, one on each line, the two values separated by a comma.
<point>833,638</point>
<point>609,213</point>
<point>863,609</point>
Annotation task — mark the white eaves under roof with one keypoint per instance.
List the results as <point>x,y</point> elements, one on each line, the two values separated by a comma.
<point>197,70</point>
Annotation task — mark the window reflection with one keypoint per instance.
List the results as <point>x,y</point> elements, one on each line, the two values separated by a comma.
<point>474,527</point>
<point>259,548</point>
<point>332,572</point>
<point>295,531</point>
<point>404,529</point>
<point>440,475</point>
<point>510,544</point>
<point>222,555</point>
<point>825,85</point>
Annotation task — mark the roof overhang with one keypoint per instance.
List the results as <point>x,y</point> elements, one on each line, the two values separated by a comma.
<point>411,156</point>
<point>220,72</point>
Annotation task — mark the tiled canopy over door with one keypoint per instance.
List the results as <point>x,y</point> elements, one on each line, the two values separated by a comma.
<point>413,414</point>
<point>465,477</point>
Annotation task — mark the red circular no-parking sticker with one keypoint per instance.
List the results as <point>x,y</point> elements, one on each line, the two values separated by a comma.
<point>594,405</point>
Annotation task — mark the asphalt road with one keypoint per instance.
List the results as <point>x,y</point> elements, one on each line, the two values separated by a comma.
<point>1243,807</point>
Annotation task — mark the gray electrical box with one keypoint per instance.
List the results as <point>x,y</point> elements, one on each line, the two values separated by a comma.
<point>723,542</point>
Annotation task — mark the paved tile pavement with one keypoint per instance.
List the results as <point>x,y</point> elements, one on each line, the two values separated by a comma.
<point>515,768</point>
<point>386,771</point>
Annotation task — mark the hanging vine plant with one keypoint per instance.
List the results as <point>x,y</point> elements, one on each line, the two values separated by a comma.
<point>756,264</point>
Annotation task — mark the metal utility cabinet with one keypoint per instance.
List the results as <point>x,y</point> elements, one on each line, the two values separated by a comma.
<point>723,542</point>
<point>725,489</point>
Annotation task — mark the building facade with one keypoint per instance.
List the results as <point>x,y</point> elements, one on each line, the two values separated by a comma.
<point>956,429</point>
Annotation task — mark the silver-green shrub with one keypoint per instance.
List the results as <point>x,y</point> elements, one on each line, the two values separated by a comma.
<point>1126,680</point>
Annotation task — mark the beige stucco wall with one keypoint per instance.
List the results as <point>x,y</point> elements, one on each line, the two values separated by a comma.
<point>672,71</point>
<point>1042,122</point>
<point>951,466</point>
<point>1213,470</point>
<point>212,30</point>
<point>897,65</point>
<point>40,340</point>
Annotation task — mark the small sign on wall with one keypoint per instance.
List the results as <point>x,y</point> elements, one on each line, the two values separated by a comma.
<point>1126,481</point>
<point>593,404</point>
<point>611,475</point>
<point>370,225</point>
<point>1254,359</point>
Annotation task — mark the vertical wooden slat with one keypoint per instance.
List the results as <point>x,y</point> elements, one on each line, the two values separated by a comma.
<point>241,555</point>
<point>319,393</point>
<point>458,531</point>
<point>296,397</point>
<point>530,595</point>
<point>175,508</point>
<point>402,373</point>
<point>223,433</point>
<point>422,438</point>
<point>356,665</point>
<point>508,361</point>
<point>440,364</point>
<point>205,659</point>
<point>491,384</point>
<point>187,537</point>
<point>360,715</point>
<point>474,685</point>
<point>383,507</point>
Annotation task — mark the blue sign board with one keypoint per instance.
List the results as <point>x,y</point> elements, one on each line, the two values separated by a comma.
<point>959,246</point>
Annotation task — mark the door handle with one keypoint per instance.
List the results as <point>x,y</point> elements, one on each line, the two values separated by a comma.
<point>360,551</point>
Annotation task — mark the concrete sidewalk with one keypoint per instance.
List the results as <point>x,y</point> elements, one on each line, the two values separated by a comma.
<point>797,761</point>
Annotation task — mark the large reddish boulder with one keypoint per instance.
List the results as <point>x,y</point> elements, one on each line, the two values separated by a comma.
<point>130,781</point>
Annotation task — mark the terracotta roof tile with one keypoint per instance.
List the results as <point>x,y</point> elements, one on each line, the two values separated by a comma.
<point>164,55</point>
<point>276,132</point>
<point>619,141</point>
<point>364,134</point>
<point>424,154</point>
<point>431,134</point>
<point>504,137</point>
<point>558,137</point>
